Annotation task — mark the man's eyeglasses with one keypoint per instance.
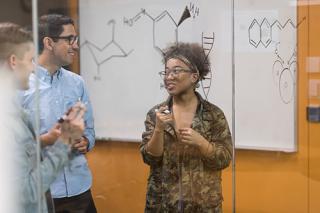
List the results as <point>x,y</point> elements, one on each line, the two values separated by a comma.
<point>175,72</point>
<point>71,38</point>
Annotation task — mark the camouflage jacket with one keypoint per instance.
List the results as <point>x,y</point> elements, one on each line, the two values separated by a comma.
<point>182,179</point>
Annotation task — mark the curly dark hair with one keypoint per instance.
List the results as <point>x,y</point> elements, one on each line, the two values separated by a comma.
<point>194,54</point>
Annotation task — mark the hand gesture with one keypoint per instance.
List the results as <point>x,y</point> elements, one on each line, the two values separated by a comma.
<point>163,117</point>
<point>51,136</point>
<point>190,136</point>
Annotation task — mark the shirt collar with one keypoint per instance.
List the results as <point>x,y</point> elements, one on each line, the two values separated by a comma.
<point>199,110</point>
<point>44,73</point>
<point>196,124</point>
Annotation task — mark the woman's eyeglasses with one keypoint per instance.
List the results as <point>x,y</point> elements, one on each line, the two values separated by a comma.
<point>174,72</point>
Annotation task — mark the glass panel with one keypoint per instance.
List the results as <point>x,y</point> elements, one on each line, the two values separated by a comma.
<point>311,80</point>
<point>273,160</point>
<point>264,76</point>
<point>265,34</point>
<point>21,155</point>
<point>122,44</point>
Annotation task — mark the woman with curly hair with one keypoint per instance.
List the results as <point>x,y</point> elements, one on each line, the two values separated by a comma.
<point>187,141</point>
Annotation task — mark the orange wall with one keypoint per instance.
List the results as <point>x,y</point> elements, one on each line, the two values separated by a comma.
<point>119,177</point>
<point>265,181</point>
<point>278,181</point>
<point>314,128</point>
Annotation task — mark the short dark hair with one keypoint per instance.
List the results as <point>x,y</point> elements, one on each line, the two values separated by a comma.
<point>51,25</point>
<point>192,54</point>
<point>11,38</point>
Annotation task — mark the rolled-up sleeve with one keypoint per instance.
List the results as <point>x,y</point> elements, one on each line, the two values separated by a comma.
<point>146,136</point>
<point>221,154</point>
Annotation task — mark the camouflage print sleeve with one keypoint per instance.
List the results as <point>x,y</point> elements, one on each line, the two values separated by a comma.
<point>146,136</point>
<point>221,141</point>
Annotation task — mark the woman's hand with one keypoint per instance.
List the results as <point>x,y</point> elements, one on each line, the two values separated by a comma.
<point>163,117</point>
<point>190,137</point>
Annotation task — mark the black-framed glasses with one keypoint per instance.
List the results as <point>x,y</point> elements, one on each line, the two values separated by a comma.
<point>71,38</point>
<point>174,72</point>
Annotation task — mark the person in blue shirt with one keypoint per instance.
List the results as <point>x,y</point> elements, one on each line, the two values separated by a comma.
<point>59,89</point>
<point>27,180</point>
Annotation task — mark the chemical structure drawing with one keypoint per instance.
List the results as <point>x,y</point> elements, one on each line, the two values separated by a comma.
<point>285,50</point>
<point>109,51</point>
<point>284,76</point>
<point>161,20</point>
<point>158,44</point>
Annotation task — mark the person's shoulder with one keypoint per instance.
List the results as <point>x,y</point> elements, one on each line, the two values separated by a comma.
<point>210,105</point>
<point>71,75</point>
<point>157,106</point>
<point>212,108</point>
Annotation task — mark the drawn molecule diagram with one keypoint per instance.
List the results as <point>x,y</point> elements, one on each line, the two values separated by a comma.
<point>280,37</point>
<point>159,23</point>
<point>109,51</point>
<point>284,77</point>
<point>159,42</point>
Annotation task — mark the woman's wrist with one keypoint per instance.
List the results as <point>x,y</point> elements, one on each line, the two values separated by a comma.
<point>204,146</point>
<point>158,130</point>
<point>200,143</point>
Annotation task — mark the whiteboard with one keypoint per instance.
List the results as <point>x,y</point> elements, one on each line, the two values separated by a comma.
<point>265,77</point>
<point>120,57</point>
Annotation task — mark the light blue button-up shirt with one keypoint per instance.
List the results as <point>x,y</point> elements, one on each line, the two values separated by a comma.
<point>57,94</point>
